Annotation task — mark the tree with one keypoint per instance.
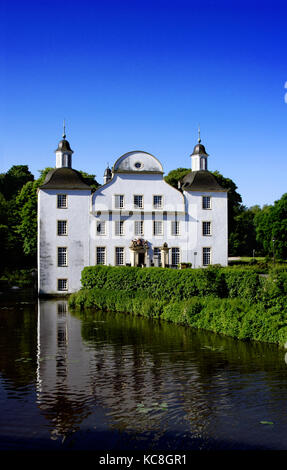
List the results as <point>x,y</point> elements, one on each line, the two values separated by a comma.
<point>12,181</point>
<point>243,237</point>
<point>271,228</point>
<point>174,176</point>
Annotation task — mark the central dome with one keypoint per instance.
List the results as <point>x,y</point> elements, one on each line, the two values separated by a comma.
<point>137,162</point>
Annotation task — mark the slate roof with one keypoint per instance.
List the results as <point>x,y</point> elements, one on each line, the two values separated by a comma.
<point>64,146</point>
<point>201,180</point>
<point>64,178</point>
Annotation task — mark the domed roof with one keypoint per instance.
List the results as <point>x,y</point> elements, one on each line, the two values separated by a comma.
<point>64,146</point>
<point>199,149</point>
<point>64,178</point>
<point>137,161</point>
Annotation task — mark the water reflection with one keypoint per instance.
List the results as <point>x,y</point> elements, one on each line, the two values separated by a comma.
<point>150,379</point>
<point>97,380</point>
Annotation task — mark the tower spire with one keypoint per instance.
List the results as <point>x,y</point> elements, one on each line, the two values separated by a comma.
<point>199,139</point>
<point>64,129</point>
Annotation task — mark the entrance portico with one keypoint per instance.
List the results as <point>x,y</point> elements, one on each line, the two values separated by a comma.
<point>139,252</point>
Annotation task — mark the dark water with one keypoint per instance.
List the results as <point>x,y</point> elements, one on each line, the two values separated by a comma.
<point>116,382</point>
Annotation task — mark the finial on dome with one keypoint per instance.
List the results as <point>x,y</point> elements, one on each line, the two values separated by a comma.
<point>64,130</point>
<point>199,139</point>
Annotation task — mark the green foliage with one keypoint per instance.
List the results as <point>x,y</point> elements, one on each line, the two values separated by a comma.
<point>271,224</point>
<point>237,302</point>
<point>169,284</point>
<point>236,317</point>
<point>12,181</point>
<point>174,176</point>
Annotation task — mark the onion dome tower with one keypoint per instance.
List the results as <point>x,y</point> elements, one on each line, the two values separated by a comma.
<point>107,175</point>
<point>199,156</point>
<point>64,152</point>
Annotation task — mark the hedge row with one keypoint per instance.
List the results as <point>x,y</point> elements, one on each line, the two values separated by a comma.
<point>231,317</point>
<point>171,284</point>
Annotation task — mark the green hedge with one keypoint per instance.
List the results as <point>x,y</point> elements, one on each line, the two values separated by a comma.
<point>171,284</point>
<point>236,302</point>
<point>232,317</point>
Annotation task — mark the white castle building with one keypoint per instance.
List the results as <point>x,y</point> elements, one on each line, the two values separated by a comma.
<point>134,219</point>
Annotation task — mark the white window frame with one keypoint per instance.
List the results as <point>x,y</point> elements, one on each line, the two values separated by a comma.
<point>101,255</point>
<point>156,205</point>
<point>119,201</point>
<point>204,254</point>
<point>157,223</point>
<point>204,205</point>
<point>62,201</point>
<point>175,253</point>
<point>140,203</point>
<point>119,228</point>
<point>62,228</point>
<point>157,252</point>
<point>121,253</point>
<point>175,228</point>
<point>102,225</point>
<point>62,256</point>
<point>139,227</point>
<point>206,228</point>
<point>64,287</point>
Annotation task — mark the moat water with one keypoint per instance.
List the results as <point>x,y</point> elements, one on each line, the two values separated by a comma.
<point>106,381</point>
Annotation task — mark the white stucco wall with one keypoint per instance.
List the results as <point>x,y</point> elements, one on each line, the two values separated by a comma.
<point>76,241</point>
<point>217,215</point>
<point>130,184</point>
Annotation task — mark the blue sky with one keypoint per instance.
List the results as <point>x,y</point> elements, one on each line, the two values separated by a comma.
<point>141,75</point>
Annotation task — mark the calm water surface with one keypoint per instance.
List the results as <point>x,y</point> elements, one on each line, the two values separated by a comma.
<point>106,381</point>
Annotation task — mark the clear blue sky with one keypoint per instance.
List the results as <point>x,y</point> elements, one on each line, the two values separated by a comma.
<point>141,75</point>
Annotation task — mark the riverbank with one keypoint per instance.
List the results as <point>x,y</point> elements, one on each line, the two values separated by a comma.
<point>237,302</point>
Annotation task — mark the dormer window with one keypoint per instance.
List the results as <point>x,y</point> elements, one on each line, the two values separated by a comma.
<point>138,165</point>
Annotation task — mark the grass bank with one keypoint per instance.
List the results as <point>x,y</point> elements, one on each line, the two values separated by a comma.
<point>237,302</point>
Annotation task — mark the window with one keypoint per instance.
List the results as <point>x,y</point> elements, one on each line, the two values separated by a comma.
<point>157,255</point>
<point>175,227</point>
<point>138,201</point>
<point>101,227</point>
<point>101,255</point>
<point>119,256</point>
<point>62,227</point>
<point>62,284</point>
<point>206,202</point>
<point>119,227</point>
<point>119,201</point>
<point>175,256</point>
<point>157,202</point>
<point>206,256</point>
<point>157,227</point>
<point>203,165</point>
<point>62,201</point>
<point>139,227</point>
<point>206,228</point>
<point>62,256</point>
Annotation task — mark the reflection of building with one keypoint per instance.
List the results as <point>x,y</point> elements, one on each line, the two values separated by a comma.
<point>135,218</point>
